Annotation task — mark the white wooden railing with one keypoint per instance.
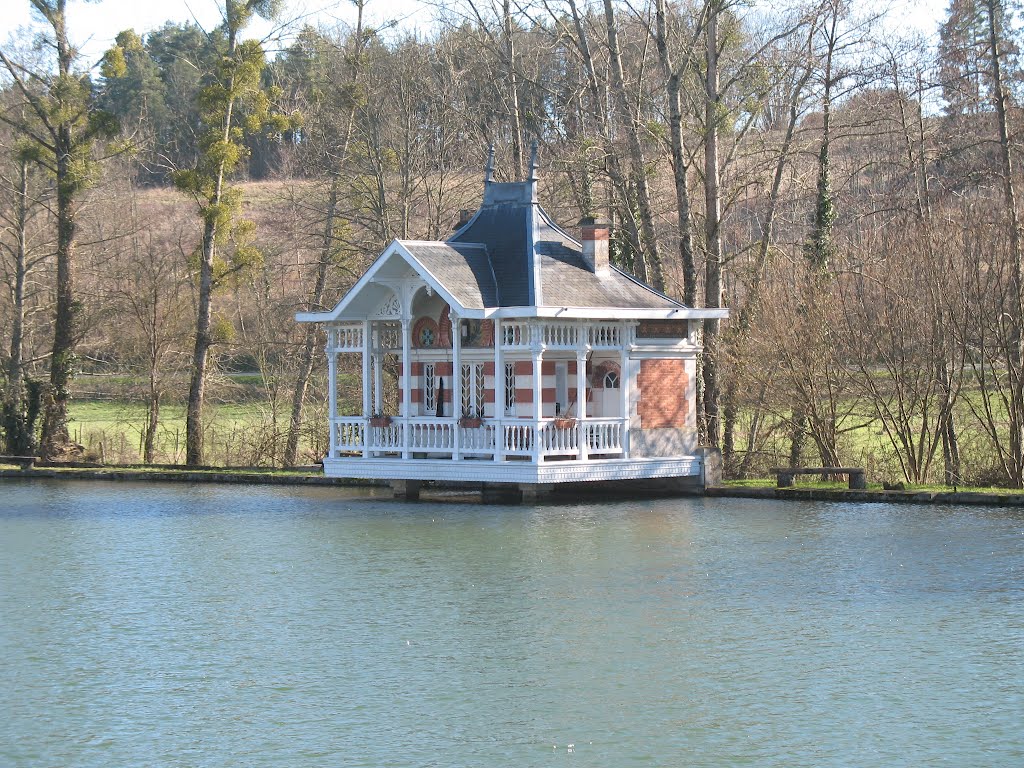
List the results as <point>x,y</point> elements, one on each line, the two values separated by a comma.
<point>560,335</point>
<point>605,336</point>
<point>345,338</point>
<point>604,436</point>
<point>515,335</point>
<point>349,434</point>
<point>478,441</point>
<point>547,439</point>
<point>433,435</point>
<point>555,334</point>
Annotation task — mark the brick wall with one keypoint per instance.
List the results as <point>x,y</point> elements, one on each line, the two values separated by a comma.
<point>662,388</point>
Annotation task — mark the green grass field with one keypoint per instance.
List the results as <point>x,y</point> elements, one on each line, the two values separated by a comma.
<point>237,434</point>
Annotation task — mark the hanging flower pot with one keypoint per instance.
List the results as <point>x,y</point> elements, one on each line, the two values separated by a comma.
<point>562,422</point>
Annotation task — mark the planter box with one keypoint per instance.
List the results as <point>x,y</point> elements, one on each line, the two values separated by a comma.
<point>563,423</point>
<point>380,421</point>
<point>471,422</point>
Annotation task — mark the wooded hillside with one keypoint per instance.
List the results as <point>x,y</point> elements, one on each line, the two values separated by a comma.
<point>850,193</point>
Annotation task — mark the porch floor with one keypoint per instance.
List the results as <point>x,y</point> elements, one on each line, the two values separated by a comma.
<point>485,471</point>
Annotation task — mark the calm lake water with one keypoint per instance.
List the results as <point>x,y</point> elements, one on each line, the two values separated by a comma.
<point>161,625</point>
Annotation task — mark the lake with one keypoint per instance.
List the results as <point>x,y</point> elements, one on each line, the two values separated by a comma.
<point>168,625</point>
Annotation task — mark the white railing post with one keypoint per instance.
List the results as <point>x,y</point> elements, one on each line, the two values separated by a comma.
<point>332,392</point>
<point>624,381</point>
<point>499,391</point>
<point>538,405</point>
<point>367,383</point>
<point>456,387</point>
<point>406,385</point>
<point>581,402</point>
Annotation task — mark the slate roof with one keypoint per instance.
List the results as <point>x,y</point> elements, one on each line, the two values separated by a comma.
<point>463,268</point>
<point>533,262</point>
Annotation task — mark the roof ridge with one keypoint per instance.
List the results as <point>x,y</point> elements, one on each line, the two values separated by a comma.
<point>645,286</point>
<point>442,242</point>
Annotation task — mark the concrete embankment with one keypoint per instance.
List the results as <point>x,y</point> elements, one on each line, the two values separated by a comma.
<point>181,476</point>
<point>236,477</point>
<point>878,496</point>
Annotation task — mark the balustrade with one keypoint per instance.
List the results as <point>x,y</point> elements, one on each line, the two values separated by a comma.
<point>602,438</point>
<point>349,434</point>
<point>517,439</point>
<point>345,338</point>
<point>560,335</point>
<point>557,440</point>
<point>515,335</point>
<point>605,336</point>
<point>387,438</point>
<point>477,440</point>
<point>431,435</point>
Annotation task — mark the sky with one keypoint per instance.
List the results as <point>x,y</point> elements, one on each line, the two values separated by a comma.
<point>94,25</point>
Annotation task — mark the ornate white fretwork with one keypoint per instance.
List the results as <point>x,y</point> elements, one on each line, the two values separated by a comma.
<point>391,307</point>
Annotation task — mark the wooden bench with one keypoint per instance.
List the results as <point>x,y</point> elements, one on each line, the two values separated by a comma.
<point>785,475</point>
<point>24,462</point>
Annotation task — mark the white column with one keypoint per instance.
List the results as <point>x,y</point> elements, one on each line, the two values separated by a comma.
<point>332,390</point>
<point>367,384</point>
<point>624,382</point>
<point>499,392</point>
<point>538,406</point>
<point>406,385</point>
<point>581,402</point>
<point>456,387</point>
<point>378,371</point>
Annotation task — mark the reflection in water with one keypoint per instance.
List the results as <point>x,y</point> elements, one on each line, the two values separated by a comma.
<point>218,626</point>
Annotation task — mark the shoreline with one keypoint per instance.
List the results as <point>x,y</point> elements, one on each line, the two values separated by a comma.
<point>276,477</point>
<point>870,496</point>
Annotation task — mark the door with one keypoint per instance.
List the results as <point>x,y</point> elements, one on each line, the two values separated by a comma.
<point>609,397</point>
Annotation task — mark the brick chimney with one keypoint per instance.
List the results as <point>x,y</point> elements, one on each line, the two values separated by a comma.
<point>464,216</point>
<point>595,233</point>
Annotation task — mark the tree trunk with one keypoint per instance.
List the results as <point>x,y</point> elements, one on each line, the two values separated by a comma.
<point>323,265</point>
<point>1016,356</point>
<point>201,351</point>
<point>651,270</point>
<point>712,231</point>
<point>680,163</point>
<point>309,338</point>
<point>56,441</point>
<point>19,437</point>
<point>204,312</point>
<point>796,436</point>
<point>153,407</point>
<point>513,86</point>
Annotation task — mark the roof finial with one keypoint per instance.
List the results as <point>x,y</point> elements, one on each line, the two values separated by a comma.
<point>489,170</point>
<point>533,161</point>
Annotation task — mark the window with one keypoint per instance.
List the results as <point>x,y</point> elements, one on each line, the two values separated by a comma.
<point>611,380</point>
<point>472,332</point>
<point>425,333</point>
<point>429,389</point>
<point>510,389</point>
<point>473,390</point>
<point>561,388</point>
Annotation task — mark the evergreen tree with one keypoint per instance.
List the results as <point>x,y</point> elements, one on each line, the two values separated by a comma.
<point>232,103</point>
<point>60,121</point>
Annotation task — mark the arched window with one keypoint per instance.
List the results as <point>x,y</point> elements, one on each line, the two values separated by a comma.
<point>425,333</point>
<point>606,375</point>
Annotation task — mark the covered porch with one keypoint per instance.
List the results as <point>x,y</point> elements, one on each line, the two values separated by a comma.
<point>523,395</point>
